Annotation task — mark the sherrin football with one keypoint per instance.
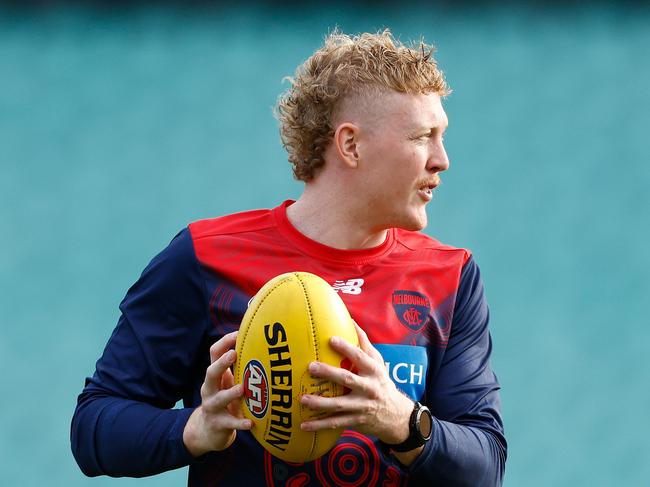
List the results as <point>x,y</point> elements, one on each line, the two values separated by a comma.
<point>288,324</point>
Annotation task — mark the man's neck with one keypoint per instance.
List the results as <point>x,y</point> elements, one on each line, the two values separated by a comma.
<point>327,218</point>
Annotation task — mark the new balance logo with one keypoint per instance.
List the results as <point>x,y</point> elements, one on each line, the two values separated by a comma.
<point>351,286</point>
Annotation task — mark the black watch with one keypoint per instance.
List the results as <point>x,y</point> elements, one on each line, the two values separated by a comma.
<point>420,428</point>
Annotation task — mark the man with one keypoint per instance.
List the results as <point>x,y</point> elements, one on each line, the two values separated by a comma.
<point>363,124</point>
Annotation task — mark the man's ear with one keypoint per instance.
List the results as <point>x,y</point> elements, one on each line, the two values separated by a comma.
<point>346,140</point>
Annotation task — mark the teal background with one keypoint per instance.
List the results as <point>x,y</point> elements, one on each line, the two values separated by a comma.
<point>119,126</point>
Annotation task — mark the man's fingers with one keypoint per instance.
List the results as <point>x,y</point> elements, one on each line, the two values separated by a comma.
<point>227,379</point>
<point>235,409</point>
<point>339,404</point>
<point>223,421</point>
<point>215,372</point>
<point>234,423</point>
<point>222,345</point>
<point>366,345</point>
<point>333,422</point>
<point>341,376</point>
<point>218,401</point>
<point>359,357</point>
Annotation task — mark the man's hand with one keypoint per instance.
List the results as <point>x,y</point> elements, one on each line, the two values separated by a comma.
<point>213,425</point>
<point>374,405</point>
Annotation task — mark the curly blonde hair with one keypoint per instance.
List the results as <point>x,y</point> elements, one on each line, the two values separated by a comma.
<point>347,66</point>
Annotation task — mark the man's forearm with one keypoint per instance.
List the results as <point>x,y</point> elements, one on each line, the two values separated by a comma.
<point>460,455</point>
<point>120,437</point>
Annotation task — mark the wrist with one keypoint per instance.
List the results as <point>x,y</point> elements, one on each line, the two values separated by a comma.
<point>192,436</point>
<point>399,430</point>
<point>420,428</point>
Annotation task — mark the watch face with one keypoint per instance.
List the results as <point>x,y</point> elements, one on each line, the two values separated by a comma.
<point>425,424</point>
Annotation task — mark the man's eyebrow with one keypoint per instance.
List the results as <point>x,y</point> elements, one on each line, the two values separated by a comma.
<point>429,129</point>
<point>442,126</point>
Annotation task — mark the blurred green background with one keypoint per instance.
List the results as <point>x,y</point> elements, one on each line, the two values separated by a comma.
<point>120,125</point>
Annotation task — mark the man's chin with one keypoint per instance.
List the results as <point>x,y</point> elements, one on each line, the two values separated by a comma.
<point>414,224</point>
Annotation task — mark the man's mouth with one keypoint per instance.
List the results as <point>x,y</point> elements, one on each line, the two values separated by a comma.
<point>426,190</point>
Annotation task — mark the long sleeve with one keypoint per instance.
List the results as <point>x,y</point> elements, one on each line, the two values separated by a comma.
<point>123,424</point>
<point>468,445</point>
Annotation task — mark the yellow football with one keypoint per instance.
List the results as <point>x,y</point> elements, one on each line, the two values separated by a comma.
<point>288,324</point>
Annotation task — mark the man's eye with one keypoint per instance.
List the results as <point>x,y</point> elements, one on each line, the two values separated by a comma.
<point>423,137</point>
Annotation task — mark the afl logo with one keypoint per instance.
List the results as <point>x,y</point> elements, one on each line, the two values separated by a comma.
<point>256,388</point>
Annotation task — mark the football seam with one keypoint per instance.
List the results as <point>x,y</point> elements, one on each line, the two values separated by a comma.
<point>244,338</point>
<point>313,333</point>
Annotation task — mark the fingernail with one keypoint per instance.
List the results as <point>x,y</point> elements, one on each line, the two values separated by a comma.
<point>335,340</point>
<point>313,367</point>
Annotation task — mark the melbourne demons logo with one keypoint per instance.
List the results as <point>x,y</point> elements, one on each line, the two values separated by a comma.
<point>412,309</point>
<point>256,388</point>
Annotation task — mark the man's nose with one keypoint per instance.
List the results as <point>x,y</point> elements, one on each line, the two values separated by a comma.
<point>438,161</point>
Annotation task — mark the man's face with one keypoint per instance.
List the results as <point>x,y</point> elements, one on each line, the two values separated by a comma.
<point>401,153</point>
